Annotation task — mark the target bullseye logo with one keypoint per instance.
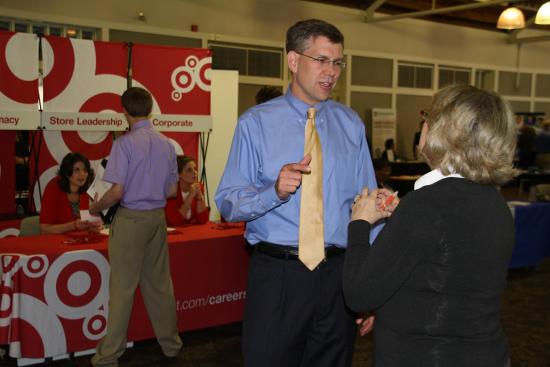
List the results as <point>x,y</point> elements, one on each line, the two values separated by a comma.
<point>35,266</point>
<point>77,288</point>
<point>195,72</point>
<point>78,283</point>
<point>95,326</point>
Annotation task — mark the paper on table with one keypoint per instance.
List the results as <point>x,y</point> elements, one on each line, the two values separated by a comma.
<point>518,203</point>
<point>86,216</point>
<point>106,230</point>
<point>99,186</point>
<point>514,204</point>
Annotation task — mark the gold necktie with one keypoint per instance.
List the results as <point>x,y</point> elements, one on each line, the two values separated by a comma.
<point>311,240</point>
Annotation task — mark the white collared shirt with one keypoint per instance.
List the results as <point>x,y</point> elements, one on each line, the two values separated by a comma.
<point>432,177</point>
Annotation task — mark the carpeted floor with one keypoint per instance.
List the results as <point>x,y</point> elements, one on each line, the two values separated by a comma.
<point>526,315</point>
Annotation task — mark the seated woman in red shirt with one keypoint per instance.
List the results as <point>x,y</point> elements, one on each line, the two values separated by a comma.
<point>188,207</point>
<point>66,195</point>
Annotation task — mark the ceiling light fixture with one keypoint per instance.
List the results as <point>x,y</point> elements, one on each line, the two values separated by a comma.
<point>543,15</point>
<point>511,18</point>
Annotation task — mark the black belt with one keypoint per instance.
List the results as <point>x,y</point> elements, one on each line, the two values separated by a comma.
<point>290,252</point>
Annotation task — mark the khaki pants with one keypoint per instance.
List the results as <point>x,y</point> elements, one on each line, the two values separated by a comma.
<point>138,254</point>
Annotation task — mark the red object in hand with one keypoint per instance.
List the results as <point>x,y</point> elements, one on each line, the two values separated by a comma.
<point>388,201</point>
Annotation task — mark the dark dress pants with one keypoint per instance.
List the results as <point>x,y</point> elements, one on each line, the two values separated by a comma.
<point>296,317</point>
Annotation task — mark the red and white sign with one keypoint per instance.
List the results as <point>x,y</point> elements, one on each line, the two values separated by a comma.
<point>10,228</point>
<point>83,81</point>
<point>18,81</point>
<point>183,123</point>
<point>83,121</point>
<point>179,80</point>
<point>82,84</point>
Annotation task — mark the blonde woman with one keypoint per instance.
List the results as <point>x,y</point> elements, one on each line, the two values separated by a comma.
<point>436,273</point>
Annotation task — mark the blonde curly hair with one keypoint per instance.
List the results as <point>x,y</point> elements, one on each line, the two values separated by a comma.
<point>471,132</point>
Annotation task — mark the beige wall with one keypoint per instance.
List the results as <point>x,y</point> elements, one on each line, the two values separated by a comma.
<point>264,22</point>
<point>268,20</point>
<point>408,121</point>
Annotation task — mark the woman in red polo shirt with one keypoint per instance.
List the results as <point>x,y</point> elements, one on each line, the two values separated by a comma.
<point>188,207</point>
<point>66,195</point>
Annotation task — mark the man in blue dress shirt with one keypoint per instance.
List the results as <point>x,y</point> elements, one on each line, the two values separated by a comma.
<point>294,316</point>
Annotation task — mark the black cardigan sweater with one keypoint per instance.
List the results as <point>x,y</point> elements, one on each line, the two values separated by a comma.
<point>435,277</point>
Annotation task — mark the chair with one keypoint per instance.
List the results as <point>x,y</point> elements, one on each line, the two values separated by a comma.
<point>543,161</point>
<point>30,226</point>
<point>540,192</point>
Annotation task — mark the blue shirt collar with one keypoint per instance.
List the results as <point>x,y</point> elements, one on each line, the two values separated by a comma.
<point>299,106</point>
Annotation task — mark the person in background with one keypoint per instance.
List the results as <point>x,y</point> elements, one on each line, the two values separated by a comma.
<point>22,160</point>
<point>295,316</point>
<point>525,144</point>
<point>389,153</point>
<point>416,140</point>
<point>143,171</point>
<point>542,146</point>
<point>267,93</point>
<point>436,274</point>
<point>22,154</point>
<point>65,196</point>
<point>188,207</point>
<point>382,170</point>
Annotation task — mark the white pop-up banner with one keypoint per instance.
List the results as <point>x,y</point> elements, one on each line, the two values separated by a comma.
<point>383,128</point>
<point>19,81</point>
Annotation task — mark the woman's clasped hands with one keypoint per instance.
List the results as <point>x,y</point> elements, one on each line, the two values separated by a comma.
<point>90,226</point>
<point>374,205</point>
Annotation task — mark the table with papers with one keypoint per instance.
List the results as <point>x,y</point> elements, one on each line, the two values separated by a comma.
<point>54,288</point>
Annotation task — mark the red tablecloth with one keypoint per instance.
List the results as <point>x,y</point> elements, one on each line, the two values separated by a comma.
<point>9,228</point>
<point>54,288</point>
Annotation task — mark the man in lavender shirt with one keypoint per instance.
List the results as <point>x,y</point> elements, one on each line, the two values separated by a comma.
<point>143,170</point>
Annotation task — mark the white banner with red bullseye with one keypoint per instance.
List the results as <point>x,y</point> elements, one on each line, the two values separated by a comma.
<point>83,75</point>
<point>82,84</point>
<point>178,78</point>
<point>83,81</point>
<point>179,81</point>
<point>18,81</point>
<point>62,291</point>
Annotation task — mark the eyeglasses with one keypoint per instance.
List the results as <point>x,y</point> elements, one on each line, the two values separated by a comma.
<point>323,61</point>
